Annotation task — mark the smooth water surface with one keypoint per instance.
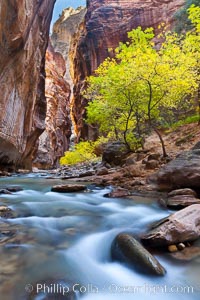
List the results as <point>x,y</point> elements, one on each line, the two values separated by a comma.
<point>64,240</point>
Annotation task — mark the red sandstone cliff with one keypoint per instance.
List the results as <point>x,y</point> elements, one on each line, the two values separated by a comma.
<point>24,30</point>
<point>24,27</point>
<point>54,141</point>
<point>107,23</point>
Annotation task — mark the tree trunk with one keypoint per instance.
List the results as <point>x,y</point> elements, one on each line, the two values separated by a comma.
<point>162,142</point>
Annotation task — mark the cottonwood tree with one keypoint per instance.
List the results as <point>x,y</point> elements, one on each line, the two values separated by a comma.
<point>128,93</point>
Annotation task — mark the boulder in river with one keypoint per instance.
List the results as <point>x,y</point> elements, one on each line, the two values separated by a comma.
<point>126,248</point>
<point>118,193</point>
<point>10,189</point>
<point>183,171</point>
<point>181,226</point>
<point>6,212</point>
<point>68,188</point>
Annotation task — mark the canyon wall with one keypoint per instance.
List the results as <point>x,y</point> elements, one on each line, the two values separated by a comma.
<point>65,36</point>
<point>83,38</point>
<point>54,141</point>
<point>106,24</point>
<point>24,34</point>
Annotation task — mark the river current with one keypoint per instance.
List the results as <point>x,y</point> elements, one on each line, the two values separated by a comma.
<point>64,244</point>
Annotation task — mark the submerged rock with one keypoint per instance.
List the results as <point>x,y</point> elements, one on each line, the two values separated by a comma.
<point>118,193</point>
<point>6,212</point>
<point>10,189</point>
<point>68,188</point>
<point>126,248</point>
<point>187,254</point>
<point>181,226</point>
<point>172,248</point>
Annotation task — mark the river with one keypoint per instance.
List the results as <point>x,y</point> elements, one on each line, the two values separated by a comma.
<point>64,240</point>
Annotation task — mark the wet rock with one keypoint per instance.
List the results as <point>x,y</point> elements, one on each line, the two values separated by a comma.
<point>7,232</point>
<point>68,188</point>
<point>179,227</point>
<point>10,189</point>
<point>181,246</point>
<point>102,171</point>
<point>187,254</point>
<point>126,248</point>
<point>5,191</point>
<point>115,153</point>
<point>118,193</point>
<point>4,174</point>
<point>23,171</point>
<point>182,172</point>
<point>6,212</point>
<point>172,248</point>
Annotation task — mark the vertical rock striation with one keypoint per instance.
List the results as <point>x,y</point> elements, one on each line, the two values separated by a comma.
<point>65,38</point>
<point>106,24</point>
<point>54,141</point>
<point>24,31</point>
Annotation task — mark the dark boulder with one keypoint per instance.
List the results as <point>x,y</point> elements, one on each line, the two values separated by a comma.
<point>182,172</point>
<point>10,189</point>
<point>115,153</point>
<point>127,249</point>
<point>102,171</point>
<point>68,188</point>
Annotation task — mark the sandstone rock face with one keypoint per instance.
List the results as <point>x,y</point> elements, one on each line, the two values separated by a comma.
<point>182,198</point>
<point>106,24</point>
<point>64,36</point>
<point>24,34</point>
<point>182,172</point>
<point>180,227</point>
<point>54,141</point>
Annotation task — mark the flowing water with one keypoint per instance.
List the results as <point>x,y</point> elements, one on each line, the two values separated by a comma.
<point>64,240</point>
